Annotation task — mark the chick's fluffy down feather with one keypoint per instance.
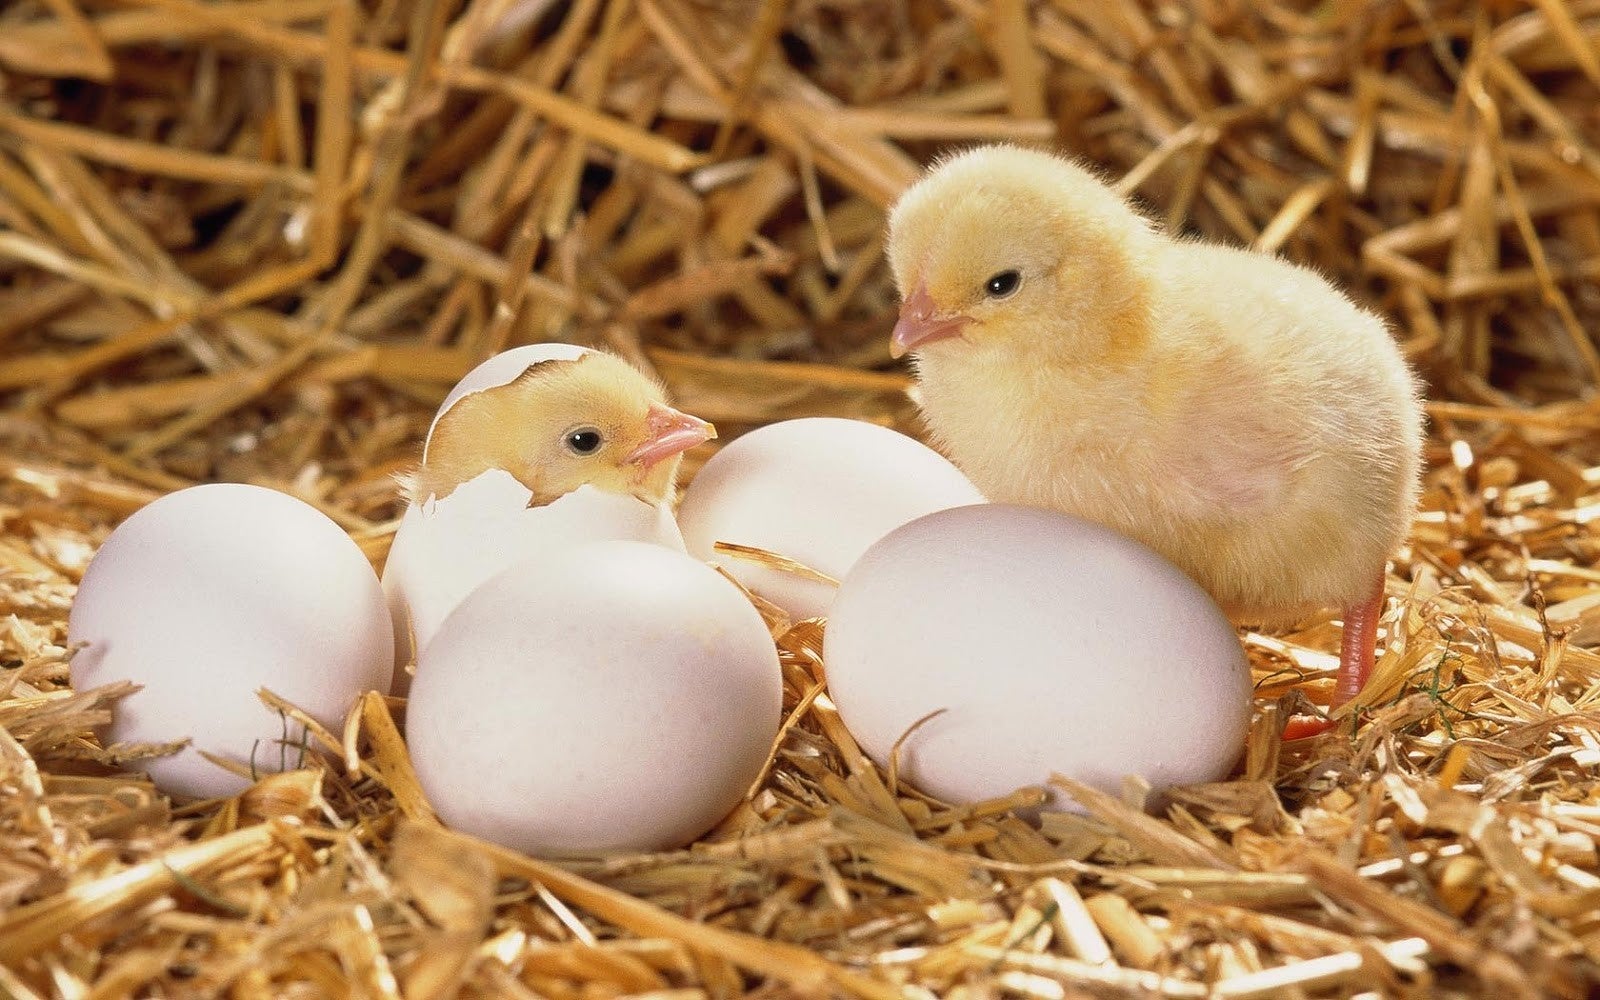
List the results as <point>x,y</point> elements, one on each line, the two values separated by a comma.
<point>1233,411</point>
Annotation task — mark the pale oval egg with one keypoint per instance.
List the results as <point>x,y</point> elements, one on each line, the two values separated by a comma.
<point>620,696</point>
<point>445,548</point>
<point>818,490</point>
<point>208,594</point>
<point>1047,644</point>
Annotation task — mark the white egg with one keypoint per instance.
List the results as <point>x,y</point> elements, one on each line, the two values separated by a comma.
<point>500,369</point>
<point>819,491</point>
<point>1049,644</point>
<point>445,548</point>
<point>205,596</point>
<point>620,696</point>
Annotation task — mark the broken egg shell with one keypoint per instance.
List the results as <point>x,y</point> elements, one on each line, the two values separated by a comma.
<point>499,370</point>
<point>445,548</point>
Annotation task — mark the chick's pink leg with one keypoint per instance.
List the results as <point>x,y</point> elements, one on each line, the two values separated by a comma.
<point>1359,646</point>
<point>1357,651</point>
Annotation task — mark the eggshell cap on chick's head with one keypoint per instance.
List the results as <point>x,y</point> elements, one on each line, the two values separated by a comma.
<point>445,548</point>
<point>499,370</point>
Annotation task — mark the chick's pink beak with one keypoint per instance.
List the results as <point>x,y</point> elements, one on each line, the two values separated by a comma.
<point>922,323</point>
<point>670,433</point>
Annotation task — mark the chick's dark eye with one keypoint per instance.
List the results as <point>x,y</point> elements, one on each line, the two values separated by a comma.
<point>1000,285</point>
<point>584,441</point>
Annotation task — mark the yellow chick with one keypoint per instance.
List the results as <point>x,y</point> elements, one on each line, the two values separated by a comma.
<point>592,420</point>
<point>1231,410</point>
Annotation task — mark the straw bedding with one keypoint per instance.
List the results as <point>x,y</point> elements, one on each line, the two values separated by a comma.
<point>258,240</point>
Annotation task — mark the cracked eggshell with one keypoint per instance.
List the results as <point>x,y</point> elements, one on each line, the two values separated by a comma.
<point>818,490</point>
<point>209,594</point>
<point>444,549</point>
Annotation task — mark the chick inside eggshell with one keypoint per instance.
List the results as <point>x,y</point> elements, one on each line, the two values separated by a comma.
<point>560,424</point>
<point>536,449</point>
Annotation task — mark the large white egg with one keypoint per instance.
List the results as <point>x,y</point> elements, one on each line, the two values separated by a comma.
<point>1049,643</point>
<point>205,596</point>
<point>620,696</point>
<point>445,548</point>
<point>818,490</point>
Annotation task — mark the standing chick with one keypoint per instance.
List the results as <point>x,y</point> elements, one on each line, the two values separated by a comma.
<point>1231,410</point>
<point>592,420</point>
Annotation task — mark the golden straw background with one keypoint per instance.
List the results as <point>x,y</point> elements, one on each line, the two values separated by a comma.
<point>258,240</point>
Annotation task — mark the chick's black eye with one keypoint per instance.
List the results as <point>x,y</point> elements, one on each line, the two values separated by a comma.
<point>584,441</point>
<point>1000,285</point>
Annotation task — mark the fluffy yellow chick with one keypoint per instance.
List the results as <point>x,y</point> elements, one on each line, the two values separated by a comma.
<point>592,420</point>
<point>1231,410</point>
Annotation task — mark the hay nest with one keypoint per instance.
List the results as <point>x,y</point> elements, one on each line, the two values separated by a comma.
<point>257,240</point>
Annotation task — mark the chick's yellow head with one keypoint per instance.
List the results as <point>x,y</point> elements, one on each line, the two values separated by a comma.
<point>995,242</point>
<point>591,421</point>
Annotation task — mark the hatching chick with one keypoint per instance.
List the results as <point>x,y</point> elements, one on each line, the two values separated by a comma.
<point>592,420</point>
<point>1231,410</point>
